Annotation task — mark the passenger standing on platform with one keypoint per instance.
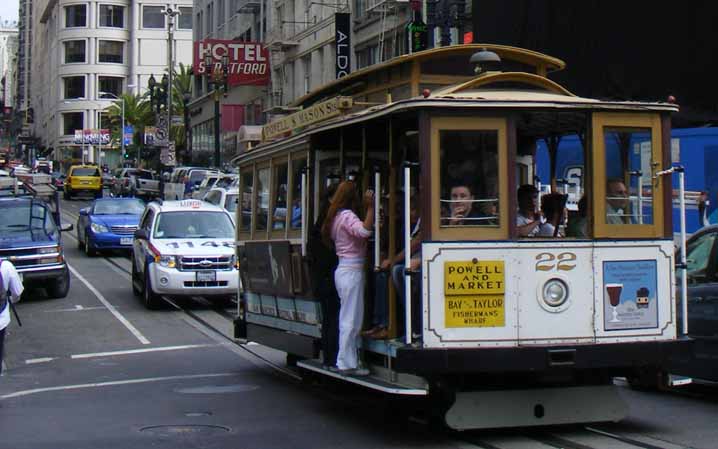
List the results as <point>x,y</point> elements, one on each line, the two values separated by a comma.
<point>323,262</point>
<point>10,290</point>
<point>349,234</point>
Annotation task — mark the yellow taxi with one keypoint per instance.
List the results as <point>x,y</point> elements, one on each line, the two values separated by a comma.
<point>83,179</point>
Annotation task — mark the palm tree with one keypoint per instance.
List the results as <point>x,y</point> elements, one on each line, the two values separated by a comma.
<point>138,113</point>
<point>181,87</point>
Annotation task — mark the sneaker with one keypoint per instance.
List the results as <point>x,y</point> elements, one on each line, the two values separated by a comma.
<point>356,372</point>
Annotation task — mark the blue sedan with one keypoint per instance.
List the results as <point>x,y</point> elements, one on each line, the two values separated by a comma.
<point>108,224</point>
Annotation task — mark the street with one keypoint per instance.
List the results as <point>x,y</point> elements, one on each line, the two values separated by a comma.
<point>98,370</point>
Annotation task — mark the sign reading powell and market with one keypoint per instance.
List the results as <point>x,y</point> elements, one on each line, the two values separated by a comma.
<point>313,114</point>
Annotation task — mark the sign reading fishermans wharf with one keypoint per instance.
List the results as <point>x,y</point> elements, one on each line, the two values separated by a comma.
<point>313,114</point>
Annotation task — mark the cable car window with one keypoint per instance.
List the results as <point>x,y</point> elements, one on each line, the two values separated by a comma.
<point>262,199</point>
<point>279,213</point>
<point>247,184</point>
<point>629,190</point>
<point>469,178</point>
<point>298,167</point>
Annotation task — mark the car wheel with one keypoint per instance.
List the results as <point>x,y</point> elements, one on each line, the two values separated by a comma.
<point>88,248</point>
<point>151,299</point>
<point>59,287</point>
<point>135,290</point>
<point>80,241</point>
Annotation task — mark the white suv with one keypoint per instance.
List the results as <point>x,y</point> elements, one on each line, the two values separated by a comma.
<point>184,248</point>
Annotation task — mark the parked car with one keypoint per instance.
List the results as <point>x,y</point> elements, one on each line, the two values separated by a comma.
<point>212,180</point>
<point>702,273</point>
<point>83,179</point>
<point>108,224</point>
<point>135,182</point>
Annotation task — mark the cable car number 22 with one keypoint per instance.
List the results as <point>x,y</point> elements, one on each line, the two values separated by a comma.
<point>560,262</point>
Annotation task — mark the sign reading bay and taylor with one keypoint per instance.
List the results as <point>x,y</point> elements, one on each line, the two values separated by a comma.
<point>474,292</point>
<point>248,62</point>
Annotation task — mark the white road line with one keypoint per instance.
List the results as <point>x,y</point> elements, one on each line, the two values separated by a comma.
<point>76,309</point>
<point>39,360</point>
<point>110,307</point>
<point>112,383</point>
<point>139,351</point>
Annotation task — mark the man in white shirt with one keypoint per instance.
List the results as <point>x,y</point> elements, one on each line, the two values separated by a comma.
<point>528,219</point>
<point>10,289</point>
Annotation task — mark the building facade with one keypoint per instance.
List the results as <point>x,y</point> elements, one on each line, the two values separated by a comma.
<point>8,61</point>
<point>300,35</point>
<point>86,53</point>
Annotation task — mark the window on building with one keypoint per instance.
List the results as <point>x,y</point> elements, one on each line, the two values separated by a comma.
<point>74,87</point>
<point>152,17</point>
<point>110,85</point>
<point>72,121</point>
<point>75,16</point>
<point>111,51</point>
<point>198,25</point>
<point>359,8</point>
<point>210,18</point>
<point>307,67</point>
<point>112,16</point>
<point>75,51</point>
<point>220,13</point>
<point>185,19</point>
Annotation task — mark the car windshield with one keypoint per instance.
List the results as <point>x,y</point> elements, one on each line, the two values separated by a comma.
<point>26,216</point>
<point>85,172</point>
<point>119,207</point>
<point>194,225</point>
<point>230,202</point>
<point>142,174</point>
<point>196,176</point>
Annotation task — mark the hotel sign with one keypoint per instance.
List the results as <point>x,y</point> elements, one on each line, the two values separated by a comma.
<point>247,62</point>
<point>313,114</point>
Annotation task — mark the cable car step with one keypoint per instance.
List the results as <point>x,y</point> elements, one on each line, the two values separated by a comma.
<point>365,381</point>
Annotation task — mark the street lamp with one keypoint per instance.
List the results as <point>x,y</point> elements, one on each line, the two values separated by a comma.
<point>217,80</point>
<point>122,131</point>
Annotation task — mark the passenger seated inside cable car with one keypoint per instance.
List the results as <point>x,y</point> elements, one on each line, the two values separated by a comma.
<point>553,207</point>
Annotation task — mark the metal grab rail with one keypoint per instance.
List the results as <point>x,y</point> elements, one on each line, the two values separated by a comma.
<point>682,265</point>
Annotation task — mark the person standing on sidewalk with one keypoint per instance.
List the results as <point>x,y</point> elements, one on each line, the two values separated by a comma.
<point>10,290</point>
<point>349,235</point>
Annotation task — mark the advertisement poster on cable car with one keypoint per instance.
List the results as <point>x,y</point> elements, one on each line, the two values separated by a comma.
<point>246,62</point>
<point>629,290</point>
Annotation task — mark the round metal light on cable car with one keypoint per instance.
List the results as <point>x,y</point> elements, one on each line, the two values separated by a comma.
<point>555,292</point>
<point>482,58</point>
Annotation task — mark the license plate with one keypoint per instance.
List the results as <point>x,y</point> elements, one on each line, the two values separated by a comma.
<point>125,240</point>
<point>206,276</point>
<point>84,182</point>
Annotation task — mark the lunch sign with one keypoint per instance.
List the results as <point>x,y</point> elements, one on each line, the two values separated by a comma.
<point>474,293</point>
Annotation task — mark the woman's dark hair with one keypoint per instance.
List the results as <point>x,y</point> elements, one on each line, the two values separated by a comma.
<point>553,204</point>
<point>344,198</point>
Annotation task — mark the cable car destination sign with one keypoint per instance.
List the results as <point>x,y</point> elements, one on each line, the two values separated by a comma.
<point>313,114</point>
<point>248,62</point>
<point>474,293</point>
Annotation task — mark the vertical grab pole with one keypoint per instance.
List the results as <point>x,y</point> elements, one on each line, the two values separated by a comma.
<point>377,231</point>
<point>407,255</point>
<point>684,267</point>
<point>304,212</point>
<point>640,199</point>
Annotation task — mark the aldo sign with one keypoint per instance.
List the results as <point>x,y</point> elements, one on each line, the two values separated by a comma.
<point>343,43</point>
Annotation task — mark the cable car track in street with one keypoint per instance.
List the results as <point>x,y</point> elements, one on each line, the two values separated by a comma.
<point>195,317</point>
<point>564,437</point>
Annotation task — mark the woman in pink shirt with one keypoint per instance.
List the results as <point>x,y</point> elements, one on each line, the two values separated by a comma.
<point>349,235</point>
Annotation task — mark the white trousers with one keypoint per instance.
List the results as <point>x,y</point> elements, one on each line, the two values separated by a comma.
<point>349,280</point>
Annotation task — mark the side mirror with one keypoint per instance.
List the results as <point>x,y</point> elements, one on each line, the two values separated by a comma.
<point>85,211</point>
<point>66,227</point>
<point>141,234</point>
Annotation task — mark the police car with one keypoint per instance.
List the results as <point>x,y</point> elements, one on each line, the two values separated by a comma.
<point>184,248</point>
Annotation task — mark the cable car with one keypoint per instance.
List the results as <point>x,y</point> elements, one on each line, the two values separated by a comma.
<point>528,295</point>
